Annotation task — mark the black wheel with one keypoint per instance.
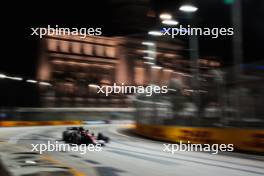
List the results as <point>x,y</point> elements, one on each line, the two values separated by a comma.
<point>65,136</point>
<point>100,136</point>
<point>107,139</point>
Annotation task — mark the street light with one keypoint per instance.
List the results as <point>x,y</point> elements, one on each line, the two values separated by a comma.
<point>31,81</point>
<point>149,58</point>
<point>148,43</point>
<point>93,85</point>
<point>150,63</point>
<point>170,22</point>
<point>165,16</point>
<point>194,55</point>
<point>45,83</point>
<point>156,67</point>
<point>16,78</point>
<point>155,33</point>
<point>149,52</point>
<point>2,76</point>
<point>188,8</point>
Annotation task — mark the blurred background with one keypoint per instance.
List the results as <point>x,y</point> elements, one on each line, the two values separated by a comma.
<point>216,79</point>
<point>215,84</point>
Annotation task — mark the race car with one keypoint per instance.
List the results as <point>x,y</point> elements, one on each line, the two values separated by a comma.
<point>78,135</point>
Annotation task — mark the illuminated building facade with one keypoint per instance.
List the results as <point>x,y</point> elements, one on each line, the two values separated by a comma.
<point>74,66</point>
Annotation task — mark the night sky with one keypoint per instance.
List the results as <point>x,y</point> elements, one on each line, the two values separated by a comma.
<point>120,17</point>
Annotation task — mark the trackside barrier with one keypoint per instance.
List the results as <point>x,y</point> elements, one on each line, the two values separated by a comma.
<point>243,139</point>
<point>38,123</point>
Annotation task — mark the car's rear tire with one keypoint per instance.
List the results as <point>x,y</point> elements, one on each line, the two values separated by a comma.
<point>65,136</point>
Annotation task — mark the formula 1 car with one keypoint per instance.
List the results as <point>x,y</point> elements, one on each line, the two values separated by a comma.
<point>78,135</point>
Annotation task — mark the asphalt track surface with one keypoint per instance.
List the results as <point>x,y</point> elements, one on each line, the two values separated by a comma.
<point>125,155</point>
